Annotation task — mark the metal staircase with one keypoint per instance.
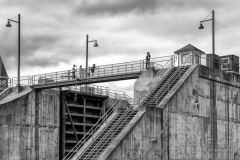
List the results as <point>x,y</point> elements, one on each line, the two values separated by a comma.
<point>165,86</point>
<point>96,145</point>
<point>113,129</point>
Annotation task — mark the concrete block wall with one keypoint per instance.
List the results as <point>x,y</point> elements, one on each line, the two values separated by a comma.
<point>29,127</point>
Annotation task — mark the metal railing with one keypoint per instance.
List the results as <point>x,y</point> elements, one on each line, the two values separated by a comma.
<point>99,90</point>
<point>98,124</point>
<point>142,96</point>
<point>121,121</point>
<point>78,74</point>
<point>130,109</point>
<point>171,81</point>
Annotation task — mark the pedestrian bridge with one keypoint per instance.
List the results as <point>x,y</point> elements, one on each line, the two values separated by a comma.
<point>104,73</point>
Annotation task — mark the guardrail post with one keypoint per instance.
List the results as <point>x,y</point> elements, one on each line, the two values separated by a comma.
<point>140,65</point>
<point>68,75</point>
<point>126,68</point>
<point>45,79</point>
<point>112,69</point>
<point>56,76</point>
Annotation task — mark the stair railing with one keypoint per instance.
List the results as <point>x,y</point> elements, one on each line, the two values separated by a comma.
<point>169,64</point>
<point>142,96</point>
<point>126,115</point>
<point>98,124</point>
<point>171,80</point>
<point>136,101</point>
<point>120,123</point>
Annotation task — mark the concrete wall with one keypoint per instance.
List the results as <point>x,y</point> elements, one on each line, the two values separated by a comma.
<point>200,121</point>
<point>143,80</point>
<point>143,142</point>
<point>29,127</point>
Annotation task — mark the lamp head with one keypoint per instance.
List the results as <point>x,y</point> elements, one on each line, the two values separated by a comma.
<point>8,24</point>
<point>201,26</point>
<point>95,45</point>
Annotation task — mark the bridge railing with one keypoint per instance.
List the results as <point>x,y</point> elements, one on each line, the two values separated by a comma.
<point>100,71</point>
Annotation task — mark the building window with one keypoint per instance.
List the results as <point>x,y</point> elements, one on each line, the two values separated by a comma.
<point>184,58</point>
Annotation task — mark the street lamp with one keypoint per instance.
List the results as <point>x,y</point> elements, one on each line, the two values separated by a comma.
<point>95,45</point>
<point>213,30</point>
<point>9,25</point>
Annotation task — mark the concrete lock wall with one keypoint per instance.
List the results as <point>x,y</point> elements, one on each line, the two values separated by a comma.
<point>200,121</point>
<point>29,127</point>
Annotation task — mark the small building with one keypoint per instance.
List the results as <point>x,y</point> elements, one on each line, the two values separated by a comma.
<point>187,51</point>
<point>3,76</point>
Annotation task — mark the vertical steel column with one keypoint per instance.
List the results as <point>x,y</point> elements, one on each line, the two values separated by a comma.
<point>213,34</point>
<point>18,83</point>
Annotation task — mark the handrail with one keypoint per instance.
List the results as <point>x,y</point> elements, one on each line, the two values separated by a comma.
<point>152,84</point>
<point>103,70</point>
<point>122,119</point>
<point>116,125</point>
<point>100,122</point>
<point>170,81</point>
<point>99,90</point>
<point>77,147</point>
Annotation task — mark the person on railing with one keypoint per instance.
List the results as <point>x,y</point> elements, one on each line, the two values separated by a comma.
<point>73,72</point>
<point>148,60</point>
<point>93,68</point>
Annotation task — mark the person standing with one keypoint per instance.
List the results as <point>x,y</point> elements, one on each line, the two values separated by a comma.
<point>148,57</point>
<point>80,72</point>
<point>93,68</point>
<point>73,72</point>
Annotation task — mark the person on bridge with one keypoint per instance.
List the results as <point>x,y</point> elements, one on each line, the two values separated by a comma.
<point>80,71</point>
<point>73,72</point>
<point>148,60</point>
<point>93,68</point>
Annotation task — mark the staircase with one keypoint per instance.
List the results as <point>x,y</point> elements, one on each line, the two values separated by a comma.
<point>165,86</point>
<point>112,130</point>
<point>152,94</point>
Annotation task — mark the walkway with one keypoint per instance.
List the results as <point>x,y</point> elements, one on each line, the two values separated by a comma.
<point>104,73</point>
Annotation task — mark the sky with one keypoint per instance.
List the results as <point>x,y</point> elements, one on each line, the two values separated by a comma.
<point>53,33</point>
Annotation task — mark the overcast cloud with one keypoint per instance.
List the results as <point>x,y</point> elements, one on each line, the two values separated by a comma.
<point>53,33</point>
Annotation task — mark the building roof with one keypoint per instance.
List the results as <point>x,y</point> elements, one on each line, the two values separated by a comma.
<point>3,72</point>
<point>189,47</point>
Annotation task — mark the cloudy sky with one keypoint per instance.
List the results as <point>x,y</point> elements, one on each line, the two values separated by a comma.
<point>53,32</point>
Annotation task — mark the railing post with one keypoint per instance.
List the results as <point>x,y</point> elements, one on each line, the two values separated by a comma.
<point>45,78</point>
<point>56,77</point>
<point>112,69</point>
<point>126,68</point>
<point>140,66</point>
<point>98,71</point>
<point>68,75</point>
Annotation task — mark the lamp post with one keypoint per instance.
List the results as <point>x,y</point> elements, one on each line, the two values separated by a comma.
<point>213,30</point>
<point>95,45</point>
<point>9,25</point>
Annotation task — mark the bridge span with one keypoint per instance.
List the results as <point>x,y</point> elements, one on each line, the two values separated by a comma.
<point>104,73</point>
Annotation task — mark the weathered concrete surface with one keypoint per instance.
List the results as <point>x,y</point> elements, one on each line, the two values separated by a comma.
<point>200,121</point>
<point>143,141</point>
<point>29,127</point>
<point>143,80</point>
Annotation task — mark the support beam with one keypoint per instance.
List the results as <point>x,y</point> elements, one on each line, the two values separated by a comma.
<point>69,114</point>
